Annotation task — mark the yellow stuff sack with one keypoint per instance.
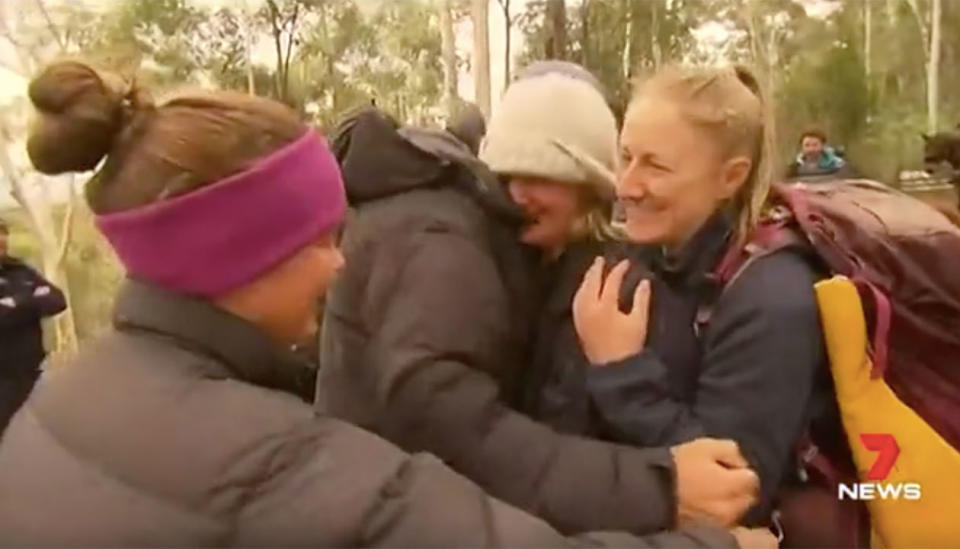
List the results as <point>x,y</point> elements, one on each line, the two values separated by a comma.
<point>869,406</point>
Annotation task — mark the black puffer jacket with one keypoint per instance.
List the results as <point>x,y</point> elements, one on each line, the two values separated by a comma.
<point>426,332</point>
<point>176,430</point>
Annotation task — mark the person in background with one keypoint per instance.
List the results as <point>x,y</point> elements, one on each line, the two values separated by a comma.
<point>26,298</point>
<point>427,331</point>
<point>815,157</point>
<point>738,362</point>
<point>177,428</point>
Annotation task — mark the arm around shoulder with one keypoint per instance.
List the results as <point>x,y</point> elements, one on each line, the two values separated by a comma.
<point>333,484</point>
<point>439,318</point>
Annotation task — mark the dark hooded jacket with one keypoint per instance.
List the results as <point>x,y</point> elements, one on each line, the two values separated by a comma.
<point>29,298</point>
<point>178,430</point>
<point>427,329</point>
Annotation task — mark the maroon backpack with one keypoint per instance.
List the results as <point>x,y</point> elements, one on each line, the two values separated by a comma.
<point>904,257</point>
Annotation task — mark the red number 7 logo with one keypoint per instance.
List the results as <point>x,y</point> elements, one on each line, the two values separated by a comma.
<point>887,451</point>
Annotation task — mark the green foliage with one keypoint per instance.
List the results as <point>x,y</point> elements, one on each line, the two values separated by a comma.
<point>334,55</point>
<point>408,69</point>
<point>814,66</point>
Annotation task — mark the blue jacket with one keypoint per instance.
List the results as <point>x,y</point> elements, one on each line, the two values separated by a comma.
<point>748,375</point>
<point>829,162</point>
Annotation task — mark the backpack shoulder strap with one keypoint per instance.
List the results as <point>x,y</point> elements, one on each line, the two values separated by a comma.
<point>772,235</point>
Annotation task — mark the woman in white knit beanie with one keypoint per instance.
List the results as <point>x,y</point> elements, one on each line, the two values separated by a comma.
<point>554,138</point>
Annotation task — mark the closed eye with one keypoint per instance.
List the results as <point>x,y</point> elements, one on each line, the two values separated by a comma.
<point>649,160</point>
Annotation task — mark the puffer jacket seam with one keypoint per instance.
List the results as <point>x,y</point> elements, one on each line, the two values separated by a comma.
<point>97,465</point>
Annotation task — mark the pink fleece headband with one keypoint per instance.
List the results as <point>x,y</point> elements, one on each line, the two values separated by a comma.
<point>226,234</point>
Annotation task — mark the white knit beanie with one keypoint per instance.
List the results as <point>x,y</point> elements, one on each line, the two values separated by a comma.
<point>556,127</point>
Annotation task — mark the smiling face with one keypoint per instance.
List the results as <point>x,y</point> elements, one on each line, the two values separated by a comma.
<point>812,147</point>
<point>552,209</point>
<point>674,174</point>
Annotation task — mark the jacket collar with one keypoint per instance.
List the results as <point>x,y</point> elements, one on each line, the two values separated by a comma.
<point>693,263</point>
<point>567,273</point>
<point>247,353</point>
<point>827,160</point>
<point>564,275</point>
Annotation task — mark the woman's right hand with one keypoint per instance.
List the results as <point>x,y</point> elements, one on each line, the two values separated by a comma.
<point>755,538</point>
<point>714,482</point>
<point>606,334</point>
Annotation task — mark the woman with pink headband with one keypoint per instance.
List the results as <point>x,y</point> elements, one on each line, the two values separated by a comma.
<point>177,428</point>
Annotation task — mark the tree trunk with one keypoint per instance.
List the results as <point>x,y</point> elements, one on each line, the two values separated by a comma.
<point>248,49</point>
<point>930,34</point>
<point>61,44</point>
<point>278,46</point>
<point>65,325</point>
<point>867,40</point>
<point>655,35</point>
<point>507,29</point>
<point>449,49</point>
<point>481,55</point>
<point>556,46</point>
<point>933,67</point>
<point>755,40</point>
<point>331,85</point>
<point>763,47</point>
<point>585,33</point>
<point>627,42</point>
<point>291,36</point>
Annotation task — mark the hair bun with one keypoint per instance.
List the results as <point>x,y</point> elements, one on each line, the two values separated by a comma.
<point>79,116</point>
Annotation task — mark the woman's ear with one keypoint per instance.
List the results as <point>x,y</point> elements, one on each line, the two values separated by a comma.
<point>735,174</point>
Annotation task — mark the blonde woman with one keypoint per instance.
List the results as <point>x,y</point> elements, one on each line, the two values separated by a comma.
<point>694,181</point>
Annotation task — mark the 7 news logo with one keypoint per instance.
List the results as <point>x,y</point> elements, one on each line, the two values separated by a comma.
<point>887,452</point>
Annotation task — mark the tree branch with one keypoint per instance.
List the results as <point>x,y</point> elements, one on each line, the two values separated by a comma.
<point>67,230</point>
<point>274,17</point>
<point>290,39</point>
<point>51,27</point>
<point>924,31</point>
<point>19,48</point>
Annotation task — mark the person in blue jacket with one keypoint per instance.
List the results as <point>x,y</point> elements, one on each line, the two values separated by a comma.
<point>815,157</point>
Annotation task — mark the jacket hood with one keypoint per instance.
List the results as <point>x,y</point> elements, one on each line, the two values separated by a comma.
<point>376,161</point>
<point>379,158</point>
